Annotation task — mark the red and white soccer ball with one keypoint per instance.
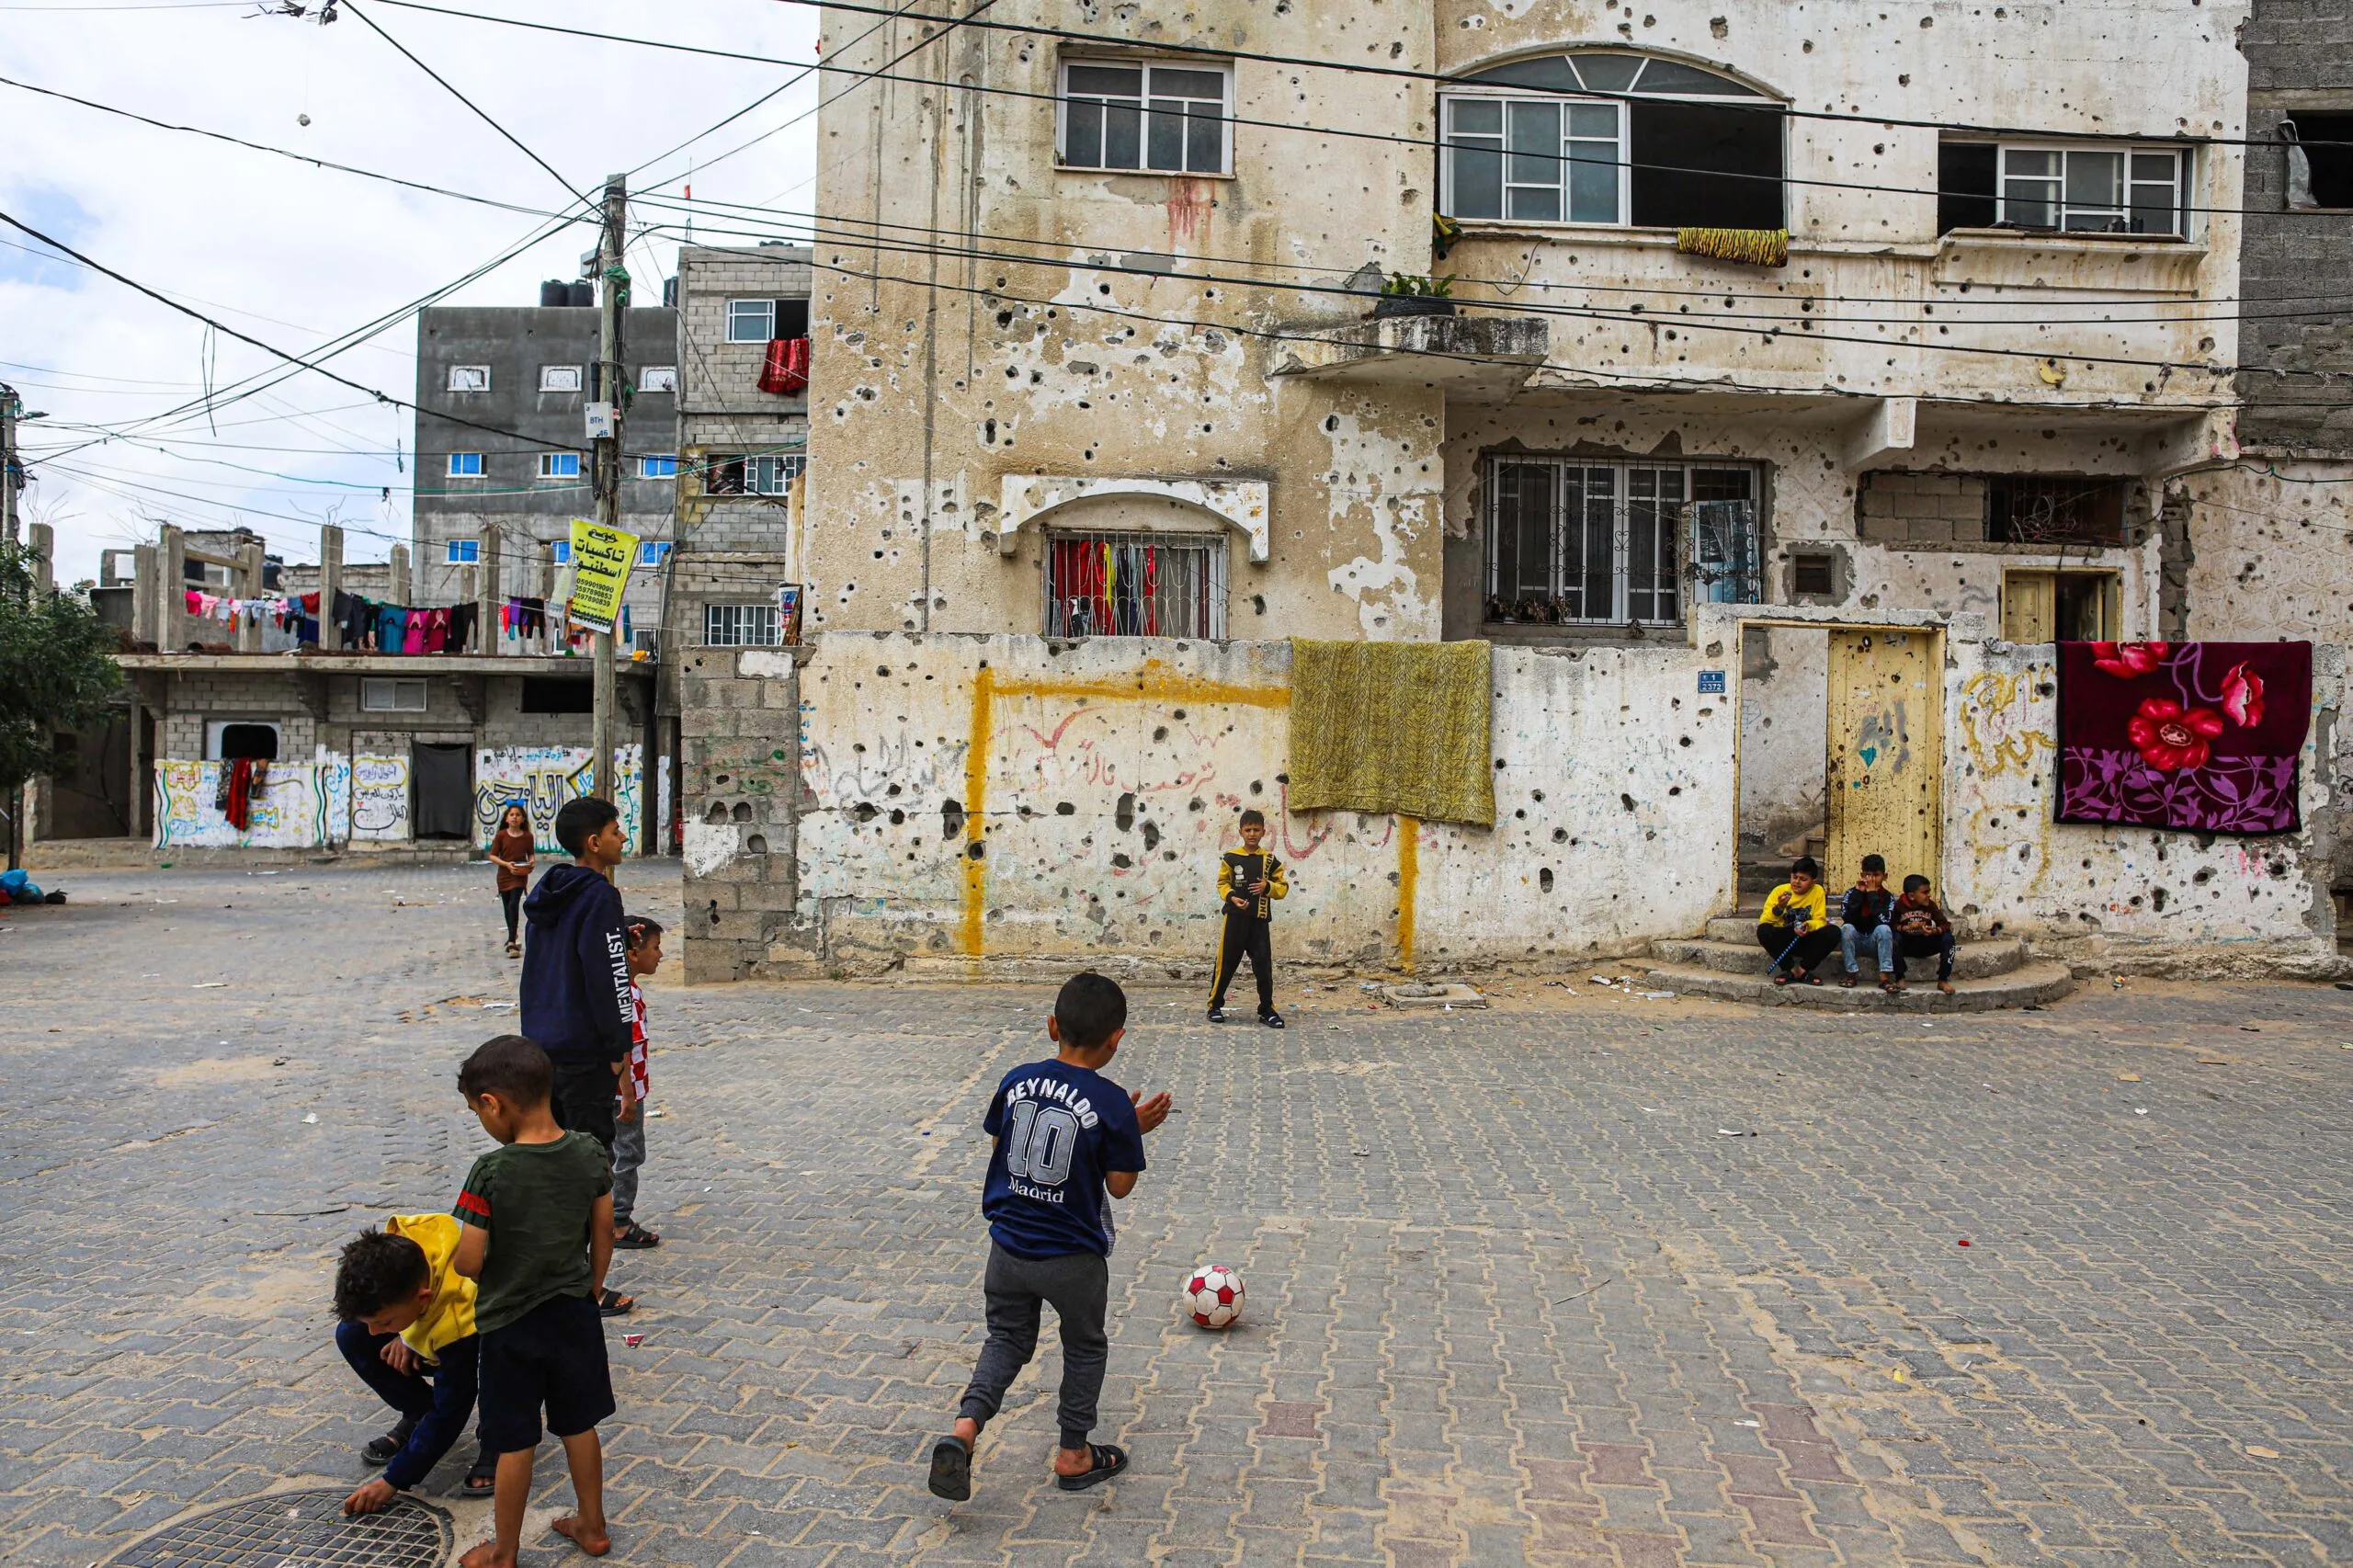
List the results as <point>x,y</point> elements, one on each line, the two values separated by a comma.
<point>1213,1296</point>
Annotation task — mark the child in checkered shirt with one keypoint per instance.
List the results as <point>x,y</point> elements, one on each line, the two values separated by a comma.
<point>644,938</point>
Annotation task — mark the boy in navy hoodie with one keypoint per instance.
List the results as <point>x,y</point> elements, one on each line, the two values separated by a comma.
<point>575,1000</point>
<point>1065,1137</point>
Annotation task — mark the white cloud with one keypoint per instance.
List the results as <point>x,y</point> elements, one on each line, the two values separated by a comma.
<point>295,256</point>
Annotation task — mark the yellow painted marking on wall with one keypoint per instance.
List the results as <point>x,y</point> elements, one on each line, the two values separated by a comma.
<point>1409,873</point>
<point>1155,683</point>
<point>1989,700</point>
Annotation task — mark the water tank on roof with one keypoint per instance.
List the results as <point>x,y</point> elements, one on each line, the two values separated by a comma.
<point>554,291</point>
<point>580,294</point>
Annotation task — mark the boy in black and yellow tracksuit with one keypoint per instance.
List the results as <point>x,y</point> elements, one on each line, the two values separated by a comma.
<point>1248,881</point>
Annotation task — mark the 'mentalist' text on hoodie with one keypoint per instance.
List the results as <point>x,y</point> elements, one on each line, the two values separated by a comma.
<point>575,969</point>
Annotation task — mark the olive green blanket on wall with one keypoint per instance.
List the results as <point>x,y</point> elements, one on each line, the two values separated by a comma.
<point>1398,727</point>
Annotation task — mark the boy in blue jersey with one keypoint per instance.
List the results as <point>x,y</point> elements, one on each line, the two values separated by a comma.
<point>1065,1137</point>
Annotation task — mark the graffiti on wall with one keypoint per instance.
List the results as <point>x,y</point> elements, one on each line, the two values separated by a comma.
<point>541,778</point>
<point>380,797</point>
<point>296,808</point>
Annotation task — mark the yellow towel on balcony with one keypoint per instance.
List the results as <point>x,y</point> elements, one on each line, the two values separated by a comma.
<point>1757,247</point>
<point>1397,727</point>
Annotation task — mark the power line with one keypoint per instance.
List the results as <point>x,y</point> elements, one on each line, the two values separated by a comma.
<point>787,221</point>
<point>297,360</point>
<point>280,152</point>
<point>1423,143</point>
<point>481,113</point>
<point>1798,327</point>
<point>1219,51</point>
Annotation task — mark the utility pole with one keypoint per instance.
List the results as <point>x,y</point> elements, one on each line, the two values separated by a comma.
<point>612,296</point>
<point>11,408</point>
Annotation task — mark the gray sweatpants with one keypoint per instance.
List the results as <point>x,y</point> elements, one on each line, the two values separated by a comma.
<point>628,1153</point>
<point>1078,1285</point>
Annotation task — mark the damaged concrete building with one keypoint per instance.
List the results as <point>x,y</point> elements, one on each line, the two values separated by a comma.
<point>1715,364</point>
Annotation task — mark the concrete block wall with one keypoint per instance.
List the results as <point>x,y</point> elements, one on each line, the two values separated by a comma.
<point>194,700</point>
<point>1923,508</point>
<point>741,798</point>
<point>2299,56</point>
<point>714,374</point>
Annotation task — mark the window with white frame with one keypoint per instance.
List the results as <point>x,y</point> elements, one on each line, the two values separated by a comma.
<point>463,552</point>
<point>391,696</point>
<point>658,379</point>
<point>1670,145</point>
<point>2075,187</point>
<point>1151,116</point>
<point>1611,544</point>
<point>559,377</point>
<point>740,626</point>
<point>1135,584</point>
<point>559,465</point>
<point>560,552</point>
<point>740,474</point>
<point>751,321</point>
<point>652,552</point>
<point>658,465</point>
<point>465,465</point>
<point>469,377</point>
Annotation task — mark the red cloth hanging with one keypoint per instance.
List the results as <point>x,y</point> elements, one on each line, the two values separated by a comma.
<point>243,774</point>
<point>785,369</point>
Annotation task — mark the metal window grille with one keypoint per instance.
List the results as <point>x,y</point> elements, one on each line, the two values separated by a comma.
<point>2034,509</point>
<point>1611,544</point>
<point>1135,584</point>
<point>740,626</point>
<point>734,474</point>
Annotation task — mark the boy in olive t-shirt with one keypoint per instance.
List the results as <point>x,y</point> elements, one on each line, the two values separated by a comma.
<point>538,1212</point>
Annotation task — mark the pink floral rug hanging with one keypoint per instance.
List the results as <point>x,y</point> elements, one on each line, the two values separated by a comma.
<point>2200,736</point>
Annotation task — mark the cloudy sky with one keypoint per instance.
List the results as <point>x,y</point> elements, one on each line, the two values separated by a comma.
<point>301,257</point>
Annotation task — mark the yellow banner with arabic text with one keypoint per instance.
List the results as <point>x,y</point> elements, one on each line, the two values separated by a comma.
<point>600,563</point>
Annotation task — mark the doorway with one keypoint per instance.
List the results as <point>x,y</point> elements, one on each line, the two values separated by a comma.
<point>442,780</point>
<point>1841,753</point>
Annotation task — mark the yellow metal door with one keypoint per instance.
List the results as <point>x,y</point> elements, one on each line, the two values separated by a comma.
<point>1886,754</point>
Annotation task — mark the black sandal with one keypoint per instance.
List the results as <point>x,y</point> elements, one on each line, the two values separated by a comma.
<point>482,1476</point>
<point>1109,1460</point>
<point>611,1303</point>
<point>634,1235</point>
<point>952,1469</point>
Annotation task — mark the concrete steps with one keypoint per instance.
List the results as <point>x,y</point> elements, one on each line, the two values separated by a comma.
<point>1723,952</point>
<point>2030,984</point>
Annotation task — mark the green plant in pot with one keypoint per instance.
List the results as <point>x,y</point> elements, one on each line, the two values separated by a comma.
<point>1405,295</point>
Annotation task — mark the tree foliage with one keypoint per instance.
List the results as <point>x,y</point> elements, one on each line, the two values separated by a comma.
<point>56,669</point>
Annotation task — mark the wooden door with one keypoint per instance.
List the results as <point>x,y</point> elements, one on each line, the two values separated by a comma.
<point>1886,765</point>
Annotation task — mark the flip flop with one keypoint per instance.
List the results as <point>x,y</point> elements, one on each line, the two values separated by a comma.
<point>632,1235</point>
<point>482,1477</point>
<point>611,1303</point>
<point>952,1469</point>
<point>1109,1460</point>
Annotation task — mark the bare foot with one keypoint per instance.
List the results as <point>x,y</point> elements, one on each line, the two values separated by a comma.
<point>590,1539</point>
<point>487,1555</point>
<point>1945,986</point>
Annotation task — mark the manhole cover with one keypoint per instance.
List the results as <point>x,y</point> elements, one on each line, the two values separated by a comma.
<point>295,1530</point>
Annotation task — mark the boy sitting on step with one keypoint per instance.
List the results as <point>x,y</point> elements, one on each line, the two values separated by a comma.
<point>1867,916</point>
<point>1921,928</point>
<point>1796,926</point>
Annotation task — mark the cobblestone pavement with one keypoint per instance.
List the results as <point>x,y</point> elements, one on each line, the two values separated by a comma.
<point>1581,1280</point>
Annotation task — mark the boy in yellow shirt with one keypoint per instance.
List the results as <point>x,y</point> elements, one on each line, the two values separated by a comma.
<point>1248,881</point>
<point>408,1327</point>
<point>1795,927</point>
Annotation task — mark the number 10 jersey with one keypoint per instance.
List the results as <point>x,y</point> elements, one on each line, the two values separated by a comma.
<point>1060,1129</point>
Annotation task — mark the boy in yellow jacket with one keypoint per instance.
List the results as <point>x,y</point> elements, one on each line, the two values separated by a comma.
<point>1795,927</point>
<point>406,1324</point>
<point>1248,881</point>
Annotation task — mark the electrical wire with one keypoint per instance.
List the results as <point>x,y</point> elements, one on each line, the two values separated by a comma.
<point>1421,143</point>
<point>1220,51</point>
<point>480,113</point>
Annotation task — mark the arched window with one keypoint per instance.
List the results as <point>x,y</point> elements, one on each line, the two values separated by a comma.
<point>1605,137</point>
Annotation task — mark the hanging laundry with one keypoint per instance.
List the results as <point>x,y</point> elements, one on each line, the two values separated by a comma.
<point>391,629</point>
<point>437,630</point>
<point>463,620</point>
<point>784,367</point>
<point>244,781</point>
<point>413,633</point>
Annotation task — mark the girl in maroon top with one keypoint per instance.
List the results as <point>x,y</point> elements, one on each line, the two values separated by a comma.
<point>510,851</point>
